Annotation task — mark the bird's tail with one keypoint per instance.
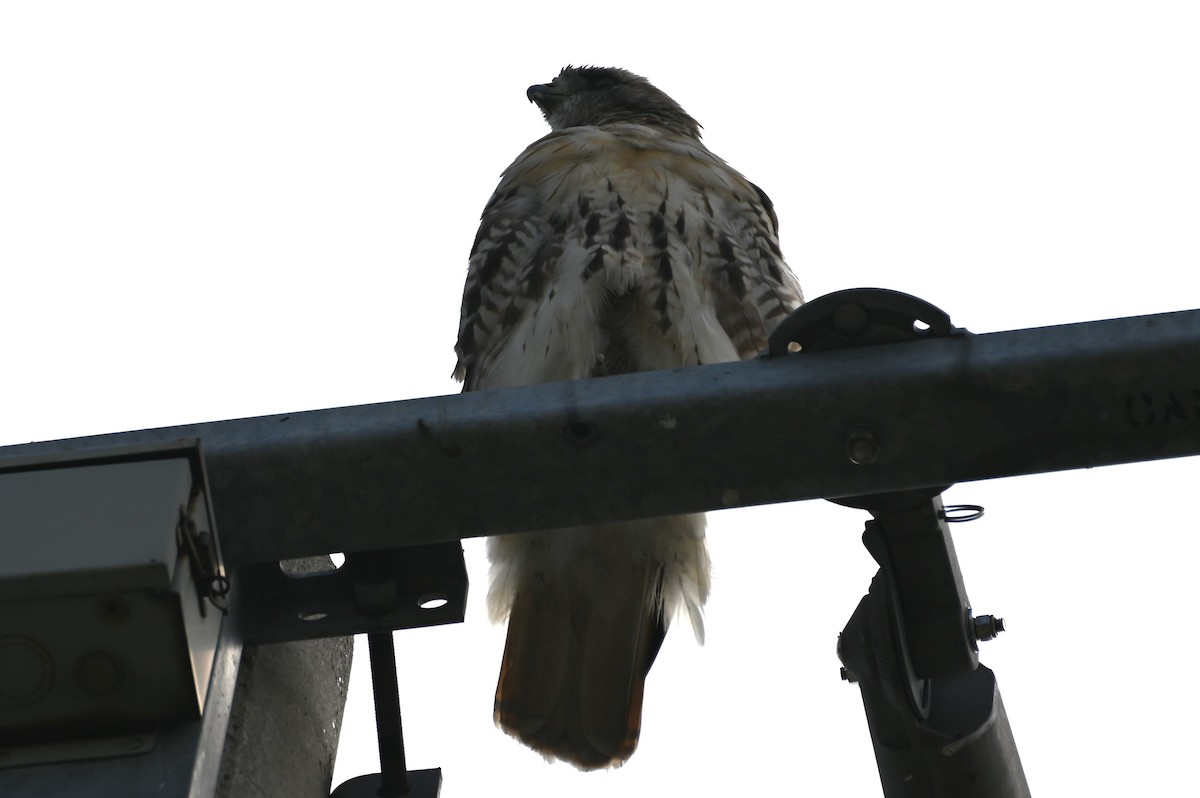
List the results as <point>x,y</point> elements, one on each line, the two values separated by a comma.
<point>581,641</point>
<point>571,682</point>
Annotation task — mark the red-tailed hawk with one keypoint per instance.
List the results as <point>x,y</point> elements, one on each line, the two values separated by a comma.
<point>616,243</point>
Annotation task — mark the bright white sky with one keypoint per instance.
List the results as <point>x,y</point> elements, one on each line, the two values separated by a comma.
<point>231,209</point>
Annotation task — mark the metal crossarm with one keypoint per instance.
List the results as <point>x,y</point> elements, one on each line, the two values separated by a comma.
<point>885,405</point>
<point>774,429</point>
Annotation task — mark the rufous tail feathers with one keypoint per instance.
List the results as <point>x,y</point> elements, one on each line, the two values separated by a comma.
<point>581,638</point>
<point>572,678</point>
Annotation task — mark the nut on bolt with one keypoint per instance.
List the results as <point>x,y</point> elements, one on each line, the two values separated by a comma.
<point>851,319</point>
<point>986,627</point>
<point>862,444</point>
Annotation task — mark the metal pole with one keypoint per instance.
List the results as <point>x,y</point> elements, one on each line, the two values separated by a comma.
<point>393,768</point>
<point>950,738</point>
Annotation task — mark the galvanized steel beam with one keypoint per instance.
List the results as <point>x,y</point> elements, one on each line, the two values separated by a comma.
<point>912,415</point>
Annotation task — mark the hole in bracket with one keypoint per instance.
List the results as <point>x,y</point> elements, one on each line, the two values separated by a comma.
<point>307,566</point>
<point>920,327</point>
<point>433,601</point>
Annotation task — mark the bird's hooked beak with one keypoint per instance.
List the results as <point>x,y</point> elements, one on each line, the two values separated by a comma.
<point>543,96</point>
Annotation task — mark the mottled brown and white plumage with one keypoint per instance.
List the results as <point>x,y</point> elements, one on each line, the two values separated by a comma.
<point>616,243</point>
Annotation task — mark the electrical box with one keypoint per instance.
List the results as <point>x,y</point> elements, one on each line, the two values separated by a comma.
<point>111,594</point>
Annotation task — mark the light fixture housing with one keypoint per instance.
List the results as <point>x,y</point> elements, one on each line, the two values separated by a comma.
<point>111,593</point>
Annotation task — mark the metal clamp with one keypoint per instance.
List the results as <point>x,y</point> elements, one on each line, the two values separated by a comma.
<point>937,723</point>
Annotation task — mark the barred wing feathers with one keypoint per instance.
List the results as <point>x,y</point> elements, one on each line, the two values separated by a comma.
<point>617,249</point>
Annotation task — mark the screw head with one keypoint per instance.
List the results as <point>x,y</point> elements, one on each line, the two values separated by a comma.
<point>862,444</point>
<point>851,319</point>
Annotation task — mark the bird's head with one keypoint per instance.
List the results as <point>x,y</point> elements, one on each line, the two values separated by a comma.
<point>604,95</point>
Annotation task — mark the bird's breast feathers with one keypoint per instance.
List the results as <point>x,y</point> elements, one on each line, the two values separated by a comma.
<point>617,249</point>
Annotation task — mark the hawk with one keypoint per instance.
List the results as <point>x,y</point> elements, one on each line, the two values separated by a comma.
<point>616,243</point>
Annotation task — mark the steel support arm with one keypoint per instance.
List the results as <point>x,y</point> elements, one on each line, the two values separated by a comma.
<point>814,425</point>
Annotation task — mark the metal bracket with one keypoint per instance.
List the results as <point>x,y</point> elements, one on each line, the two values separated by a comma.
<point>926,594</point>
<point>400,588</point>
<point>937,723</point>
<point>859,317</point>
